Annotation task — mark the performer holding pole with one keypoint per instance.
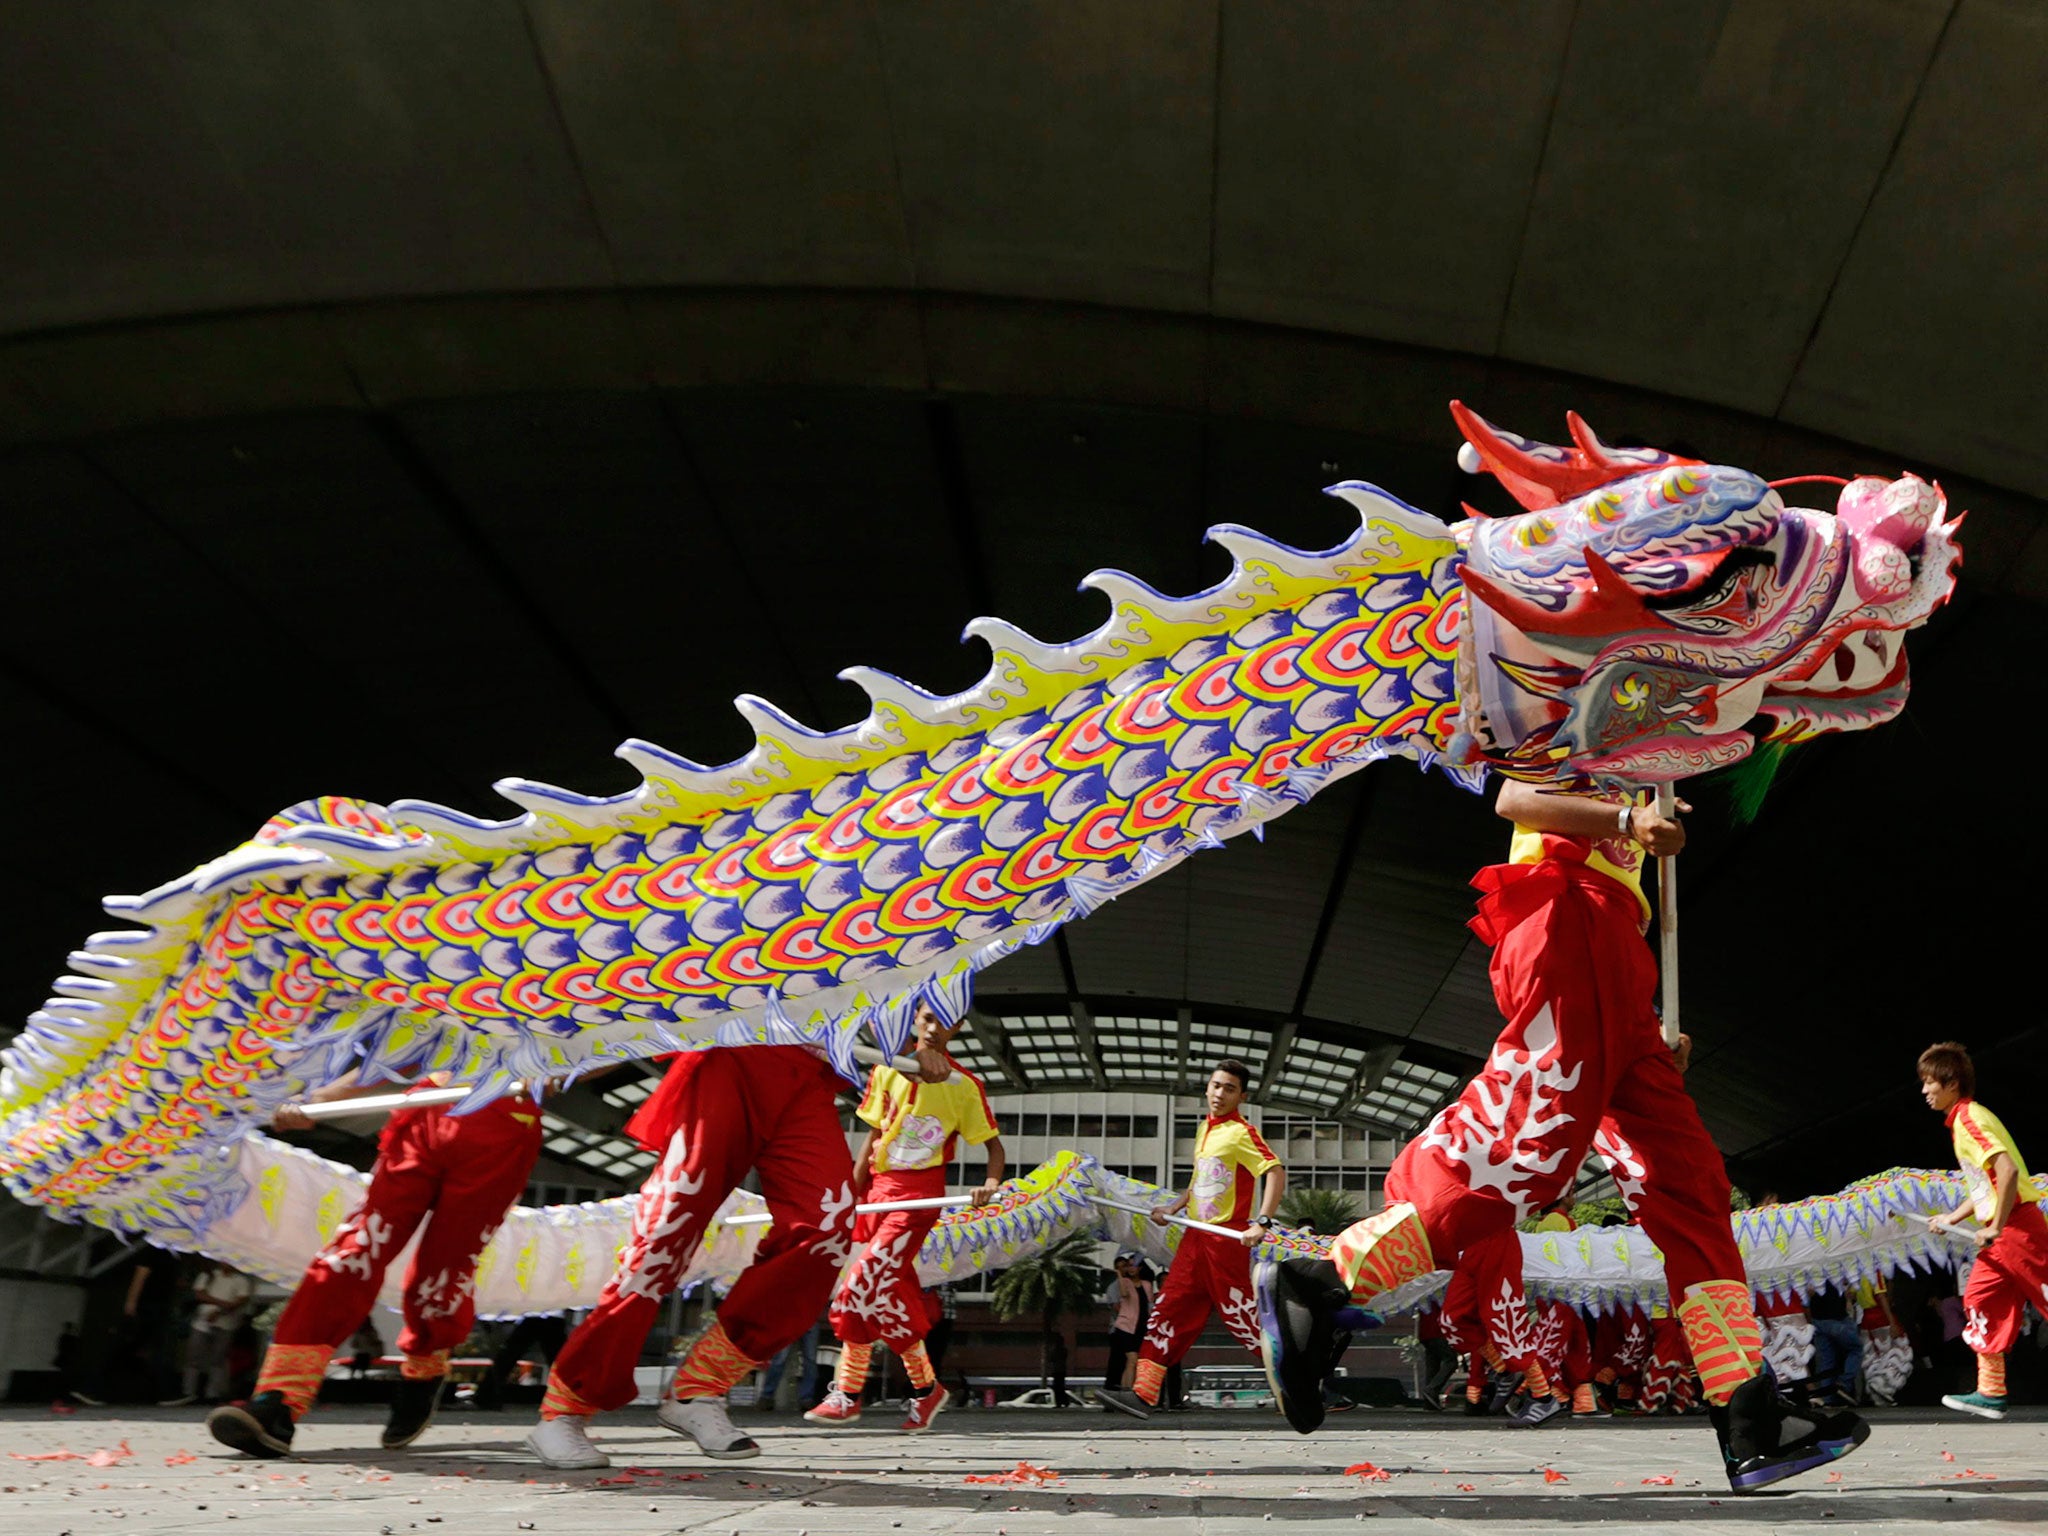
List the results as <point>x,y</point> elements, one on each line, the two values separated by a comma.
<point>1574,980</point>
<point>913,1125</point>
<point>457,1175</point>
<point>1211,1269</point>
<point>2011,1268</point>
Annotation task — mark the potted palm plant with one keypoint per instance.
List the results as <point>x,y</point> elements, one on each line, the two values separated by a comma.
<point>1065,1278</point>
<point>1326,1212</point>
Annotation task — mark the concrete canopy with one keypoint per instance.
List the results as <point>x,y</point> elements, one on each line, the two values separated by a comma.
<point>381,384</point>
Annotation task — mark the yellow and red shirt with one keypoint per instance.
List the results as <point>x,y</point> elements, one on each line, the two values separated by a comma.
<point>1619,858</point>
<point>1229,1158</point>
<point>917,1124</point>
<point>1980,1137</point>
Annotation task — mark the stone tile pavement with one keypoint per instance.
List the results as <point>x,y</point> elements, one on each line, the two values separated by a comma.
<point>1216,1473</point>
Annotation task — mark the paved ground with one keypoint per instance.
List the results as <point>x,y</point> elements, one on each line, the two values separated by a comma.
<point>1209,1472</point>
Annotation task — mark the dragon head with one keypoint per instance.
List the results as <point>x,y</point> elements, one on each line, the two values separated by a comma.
<point>1650,617</point>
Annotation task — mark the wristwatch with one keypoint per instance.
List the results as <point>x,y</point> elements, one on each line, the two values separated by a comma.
<point>1263,1222</point>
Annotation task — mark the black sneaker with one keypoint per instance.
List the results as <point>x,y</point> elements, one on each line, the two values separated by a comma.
<point>260,1427</point>
<point>412,1410</point>
<point>1765,1439</point>
<point>1298,1301</point>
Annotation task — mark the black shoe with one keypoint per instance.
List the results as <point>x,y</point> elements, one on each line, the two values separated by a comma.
<point>412,1410</point>
<point>1298,1300</point>
<point>260,1427</point>
<point>1765,1439</point>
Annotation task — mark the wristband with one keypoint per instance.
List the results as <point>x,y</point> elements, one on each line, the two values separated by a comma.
<point>1626,822</point>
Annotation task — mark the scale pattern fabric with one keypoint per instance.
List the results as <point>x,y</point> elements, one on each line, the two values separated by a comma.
<point>818,888</point>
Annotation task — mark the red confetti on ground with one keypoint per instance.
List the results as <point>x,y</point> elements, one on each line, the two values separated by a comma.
<point>1948,1455</point>
<point>46,1455</point>
<point>1023,1472</point>
<point>1371,1473</point>
<point>60,1406</point>
<point>1659,1482</point>
<point>179,1459</point>
<point>1991,1477</point>
<point>1834,1477</point>
<point>1552,1475</point>
<point>1467,1488</point>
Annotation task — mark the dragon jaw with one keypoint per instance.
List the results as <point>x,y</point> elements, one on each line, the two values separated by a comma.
<point>1662,622</point>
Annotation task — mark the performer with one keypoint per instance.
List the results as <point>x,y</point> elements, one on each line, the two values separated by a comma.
<point>1621,1345</point>
<point>457,1175</point>
<point>1209,1271</point>
<point>913,1126</point>
<point>1575,982</point>
<point>2012,1240</point>
<point>717,1114</point>
<point>1564,1350</point>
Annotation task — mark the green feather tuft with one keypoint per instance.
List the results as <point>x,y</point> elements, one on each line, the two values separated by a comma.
<point>1749,781</point>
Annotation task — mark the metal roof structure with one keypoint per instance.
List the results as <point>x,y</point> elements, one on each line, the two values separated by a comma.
<point>389,408</point>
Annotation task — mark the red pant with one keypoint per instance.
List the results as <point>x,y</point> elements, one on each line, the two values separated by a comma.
<point>1621,1347</point>
<point>1208,1273</point>
<point>2009,1273</point>
<point>1574,980</point>
<point>880,1299</point>
<point>1485,1303</point>
<point>767,1108</point>
<point>1560,1343</point>
<point>466,1170</point>
<point>1669,1385</point>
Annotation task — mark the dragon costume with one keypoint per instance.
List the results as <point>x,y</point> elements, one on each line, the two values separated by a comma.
<point>1647,619</point>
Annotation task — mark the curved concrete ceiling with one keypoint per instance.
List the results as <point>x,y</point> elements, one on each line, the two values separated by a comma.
<point>1821,212</point>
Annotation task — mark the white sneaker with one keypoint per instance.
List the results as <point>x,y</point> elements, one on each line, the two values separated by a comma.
<point>564,1444</point>
<point>704,1420</point>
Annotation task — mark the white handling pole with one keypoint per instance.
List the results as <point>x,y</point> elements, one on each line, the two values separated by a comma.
<point>382,1103</point>
<point>762,1218</point>
<point>1667,916</point>
<point>1178,1221</point>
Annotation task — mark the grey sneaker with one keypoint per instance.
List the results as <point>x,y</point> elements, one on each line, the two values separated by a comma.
<point>564,1444</point>
<point>704,1420</point>
<point>1541,1408</point>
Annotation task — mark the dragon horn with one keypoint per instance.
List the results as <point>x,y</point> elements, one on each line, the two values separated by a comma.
<point>1540,475</point>
<point>1615,605</point>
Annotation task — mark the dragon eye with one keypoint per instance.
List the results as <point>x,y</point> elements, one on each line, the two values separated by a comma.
<point>1715,586</point>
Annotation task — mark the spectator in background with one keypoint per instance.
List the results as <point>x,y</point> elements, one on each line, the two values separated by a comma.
<point>125,1368</point>
<point>223,1294</point>
<point>365,1345</point>
<point>1133,1303</point>
<point>1056,1367</point>
<point>543,1334</point>
<point>805,1350</point>
<point>943,1311</point>
<point>1837,1349</point>
<point>1439,1357</point>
